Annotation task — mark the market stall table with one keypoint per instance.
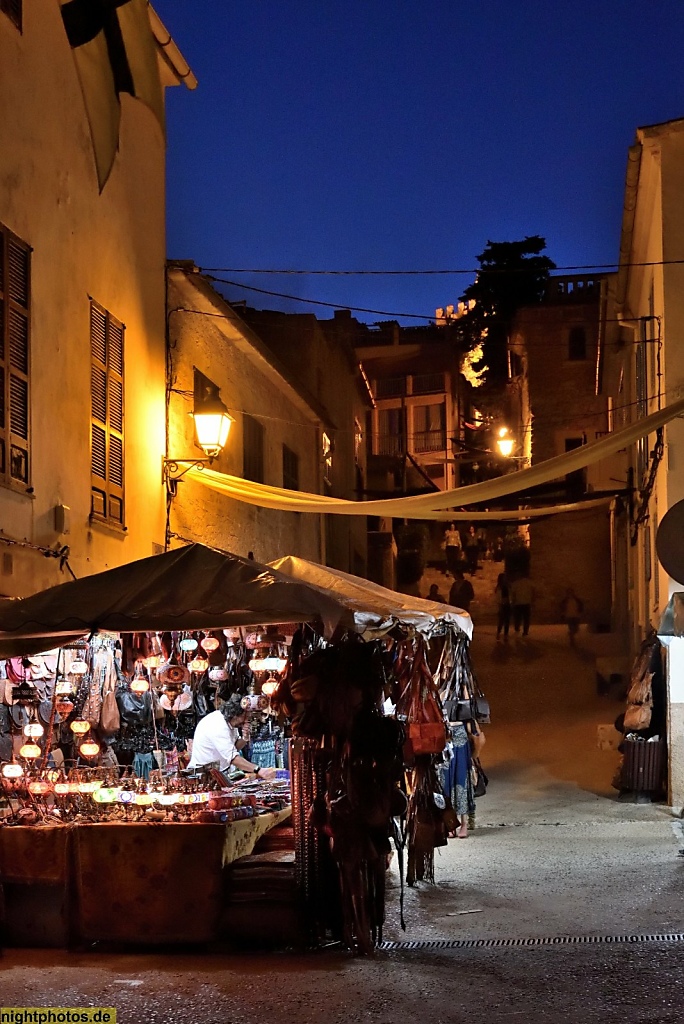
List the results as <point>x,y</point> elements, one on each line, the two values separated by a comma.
<point>121,883</point>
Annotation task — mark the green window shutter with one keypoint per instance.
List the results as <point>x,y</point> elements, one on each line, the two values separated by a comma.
<point>107,408</point>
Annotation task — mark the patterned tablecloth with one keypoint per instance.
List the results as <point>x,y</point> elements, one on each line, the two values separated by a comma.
<point>143,884</point>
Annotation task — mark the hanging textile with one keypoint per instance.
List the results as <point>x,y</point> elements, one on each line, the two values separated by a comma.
<point>433,505</point>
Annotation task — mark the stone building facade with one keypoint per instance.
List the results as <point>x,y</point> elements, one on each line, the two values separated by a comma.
<point>275,439</point>
<point>553,352</point>
<point>82,324</point>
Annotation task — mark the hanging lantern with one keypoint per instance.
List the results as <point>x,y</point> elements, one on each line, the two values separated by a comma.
<point>270,687</point>
<point>34,730</point>
<point>64,707</point>
<point>30,751</point>
<point>154,661</point>
<point>12,770</point>
<point>209,644</point>
<point>61,788</point>
<point>188,643</point>
<point>198,665</point>
<point>79,667</point>
<point>139,682</point>
<point>80,727</point>
<point>89,749</point>
<point>64,688</point>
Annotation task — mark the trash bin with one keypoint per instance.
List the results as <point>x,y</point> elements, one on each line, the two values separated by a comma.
<point>644,766</point>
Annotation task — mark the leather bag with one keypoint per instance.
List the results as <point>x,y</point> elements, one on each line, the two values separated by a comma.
<point>637,717</point>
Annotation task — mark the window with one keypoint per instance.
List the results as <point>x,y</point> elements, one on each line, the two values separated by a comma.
<point>577,343</point>
<point>13,10</point>
<point>576,481</point>
<point>107,416</point>
<point>290,469</point>
<point>15,296</point>
<point>429,433</point>
<point>389,439</point>
<point>252,449</point>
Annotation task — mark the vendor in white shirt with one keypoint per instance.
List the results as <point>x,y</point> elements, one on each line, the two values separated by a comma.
<point>217,738</point>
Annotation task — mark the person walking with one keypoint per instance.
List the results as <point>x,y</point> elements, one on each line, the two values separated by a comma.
<point>502,592</point>
<point>453,547</point>
<point>461,593</point>
<point>572,608</point>
<point>521,594</point>
<point>472,550</point>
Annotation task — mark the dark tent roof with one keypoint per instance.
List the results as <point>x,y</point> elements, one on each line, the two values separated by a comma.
<point>193,587</point>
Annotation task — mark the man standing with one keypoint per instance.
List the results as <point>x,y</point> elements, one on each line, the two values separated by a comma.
<point>521,594</point>
<point>461,593</point>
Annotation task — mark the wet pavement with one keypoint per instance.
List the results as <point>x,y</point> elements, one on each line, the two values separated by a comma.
<point>554,854</point>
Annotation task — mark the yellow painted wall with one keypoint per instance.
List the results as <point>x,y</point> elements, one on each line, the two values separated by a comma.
<point>109,246</point>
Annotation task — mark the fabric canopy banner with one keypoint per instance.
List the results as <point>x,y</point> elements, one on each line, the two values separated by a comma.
<point>435,505</point>
<point>114,51</point>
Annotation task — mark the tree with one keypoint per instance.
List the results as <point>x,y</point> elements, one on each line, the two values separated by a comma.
<point>511,275</point>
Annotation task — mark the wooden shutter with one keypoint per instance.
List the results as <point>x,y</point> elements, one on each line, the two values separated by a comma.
<point>14,360</point>
<point>107,410</point>
<point>13,10</point>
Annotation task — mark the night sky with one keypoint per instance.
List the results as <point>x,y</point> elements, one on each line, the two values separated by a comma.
<point>402,134</point>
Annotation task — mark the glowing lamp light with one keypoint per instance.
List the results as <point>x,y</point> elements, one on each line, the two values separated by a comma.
<point>270,663</point>
<point>61,788</point>
<point>139,685</point>
<point>30,751</point>
<point>154,661</point>
<point>198,665</point>
<point>126,796</point>
<point>188,644</point>
<point>210,643</point>
<point>165,799</point>
<point>80,727</point>
<point>505,443</point>
<point>106,795</point>
<point>39,788</point>
<point>34,730</point>
<point>270,687</point>
<point>64,688</point>
<point>89,749</point>
<point>12,770</point>
<point>212,426</point>
<point>79,667</point>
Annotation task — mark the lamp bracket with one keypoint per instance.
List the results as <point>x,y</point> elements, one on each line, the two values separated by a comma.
<point>172,473</point>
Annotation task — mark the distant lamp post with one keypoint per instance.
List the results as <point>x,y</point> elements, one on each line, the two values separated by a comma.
<point>505,443</point>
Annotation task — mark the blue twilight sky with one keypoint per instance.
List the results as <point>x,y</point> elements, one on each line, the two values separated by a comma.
<point>402,134</point>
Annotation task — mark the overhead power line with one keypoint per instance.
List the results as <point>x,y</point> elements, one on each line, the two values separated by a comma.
<point>356,309</point>
<point>419,273</point>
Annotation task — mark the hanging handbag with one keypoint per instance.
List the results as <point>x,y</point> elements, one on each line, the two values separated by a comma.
<point>637,717</point>
<point>426,733</point>
<point>479,778</point>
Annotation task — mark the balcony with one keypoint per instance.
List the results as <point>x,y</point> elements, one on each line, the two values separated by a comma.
<point>388,444</point>
<point>427,384</point>
<point>428,441</point>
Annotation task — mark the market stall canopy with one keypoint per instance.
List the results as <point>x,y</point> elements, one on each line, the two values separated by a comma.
<point>189,588</point>
<point>373,605</point>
